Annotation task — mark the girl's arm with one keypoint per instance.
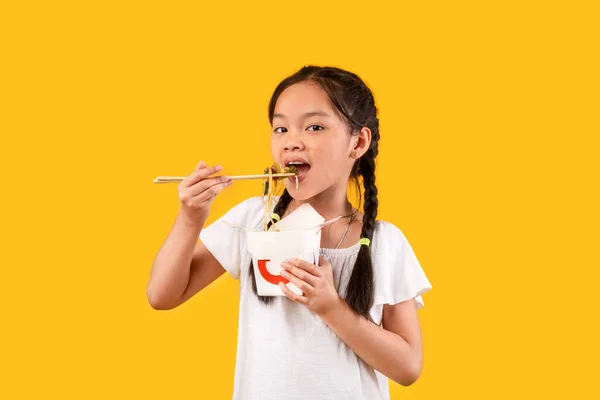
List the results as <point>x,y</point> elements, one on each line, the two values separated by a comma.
<point>394,350</point>
<point>182,267</point>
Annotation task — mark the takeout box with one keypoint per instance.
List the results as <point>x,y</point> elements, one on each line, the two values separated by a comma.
<point>298,235</point>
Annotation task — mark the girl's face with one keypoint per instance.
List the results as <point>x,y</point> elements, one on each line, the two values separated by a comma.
<point>307,129</point>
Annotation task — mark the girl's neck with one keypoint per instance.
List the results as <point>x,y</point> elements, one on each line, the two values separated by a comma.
<point>328,205</point>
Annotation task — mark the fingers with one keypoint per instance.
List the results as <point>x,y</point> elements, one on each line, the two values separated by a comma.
<point>206,184</point>
<point>206,196</point>
<point>293,296</point>
<point>301,284</point>
<point>212,191</point>
<point>301,273</point>
<point>199,187</point>
<point>310,268</point>
<point>323,262</point>
<point>200,174</point>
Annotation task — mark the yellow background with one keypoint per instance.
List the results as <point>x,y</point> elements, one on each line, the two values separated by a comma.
<point>488,163</point>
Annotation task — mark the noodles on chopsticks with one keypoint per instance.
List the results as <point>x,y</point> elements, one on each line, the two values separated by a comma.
<point>269,187</point>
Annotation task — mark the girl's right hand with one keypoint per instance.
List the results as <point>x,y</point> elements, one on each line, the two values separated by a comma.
<point>198,190</point>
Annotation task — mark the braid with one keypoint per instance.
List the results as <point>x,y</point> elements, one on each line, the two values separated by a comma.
<point>361,291</point>
<point>279,209</point>
<point>371,202</point>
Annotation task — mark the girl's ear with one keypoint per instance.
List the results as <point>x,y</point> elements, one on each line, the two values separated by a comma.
<point>363,141</point>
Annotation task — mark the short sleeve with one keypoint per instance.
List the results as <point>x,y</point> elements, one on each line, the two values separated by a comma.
<point>225,238</point>
<point>397,272</point>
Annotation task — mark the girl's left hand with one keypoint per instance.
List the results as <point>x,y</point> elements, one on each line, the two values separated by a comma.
<point>315,282</point>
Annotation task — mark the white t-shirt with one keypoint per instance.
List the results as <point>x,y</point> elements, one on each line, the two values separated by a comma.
<point>284,351</point>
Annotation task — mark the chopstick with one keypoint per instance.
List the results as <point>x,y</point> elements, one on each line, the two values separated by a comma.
<point>171,179</point>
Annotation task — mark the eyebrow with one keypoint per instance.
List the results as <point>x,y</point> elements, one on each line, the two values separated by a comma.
<point>306,115</point>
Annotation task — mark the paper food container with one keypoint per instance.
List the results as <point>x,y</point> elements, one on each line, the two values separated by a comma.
<point>298,235</point>
<point>270,249</point>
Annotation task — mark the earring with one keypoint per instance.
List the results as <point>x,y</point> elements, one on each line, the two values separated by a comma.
<point>354,154</point>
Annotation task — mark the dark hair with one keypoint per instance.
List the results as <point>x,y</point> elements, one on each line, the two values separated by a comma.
<point>356,105</point>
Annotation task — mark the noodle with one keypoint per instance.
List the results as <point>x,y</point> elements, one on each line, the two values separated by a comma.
<point>269,189</point>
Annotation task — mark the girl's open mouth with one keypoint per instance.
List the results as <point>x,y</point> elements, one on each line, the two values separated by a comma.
<point>302,168</point>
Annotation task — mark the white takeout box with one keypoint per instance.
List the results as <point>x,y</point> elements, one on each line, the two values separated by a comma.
<point>298,235</point>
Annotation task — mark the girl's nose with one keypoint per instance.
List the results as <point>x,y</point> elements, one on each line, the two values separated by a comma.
<point>293,143</point>
<point>292,146</point>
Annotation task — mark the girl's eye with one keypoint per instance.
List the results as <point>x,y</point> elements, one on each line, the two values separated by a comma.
<point>280,130</point>
<point>315,128</point>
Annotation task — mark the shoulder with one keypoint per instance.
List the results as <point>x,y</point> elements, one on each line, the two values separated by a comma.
<point>386,233</point>
<point>245,212</point>
<point>389,245</point>
<point>249,213</point>
<point>385,226</point>
<point>249,204</point>
<point>397,271</point>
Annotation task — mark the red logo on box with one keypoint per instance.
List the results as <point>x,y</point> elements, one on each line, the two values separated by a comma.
<point>274,279</point>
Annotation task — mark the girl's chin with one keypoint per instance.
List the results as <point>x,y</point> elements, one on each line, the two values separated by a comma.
<point>301,194</point>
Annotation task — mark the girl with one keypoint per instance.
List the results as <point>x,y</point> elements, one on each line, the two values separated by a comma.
<point>356,322</point>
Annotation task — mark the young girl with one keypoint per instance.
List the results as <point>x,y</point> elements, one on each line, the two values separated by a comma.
<point>356,322</point>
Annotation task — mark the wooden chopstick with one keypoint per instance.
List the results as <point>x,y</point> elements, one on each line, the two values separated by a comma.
<point>171,179</point>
